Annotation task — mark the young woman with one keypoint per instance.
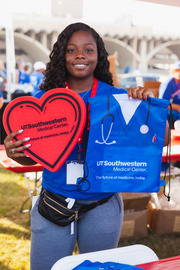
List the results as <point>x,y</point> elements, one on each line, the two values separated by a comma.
<point>77,58</point>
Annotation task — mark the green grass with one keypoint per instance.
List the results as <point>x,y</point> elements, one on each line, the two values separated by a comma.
<point>164,246</point>
<point>15,227</point>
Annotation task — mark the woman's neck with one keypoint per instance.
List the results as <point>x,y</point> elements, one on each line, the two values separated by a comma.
<point>81,85</point>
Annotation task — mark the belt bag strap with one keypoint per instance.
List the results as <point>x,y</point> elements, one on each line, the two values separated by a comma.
<point>88,207</point>
<point>54,208</point>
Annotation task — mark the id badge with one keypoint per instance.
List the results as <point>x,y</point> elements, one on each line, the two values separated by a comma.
<point>74,170</point>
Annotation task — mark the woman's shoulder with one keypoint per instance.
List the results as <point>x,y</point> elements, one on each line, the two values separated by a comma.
<point>40,93</point>
<point>106,89</point>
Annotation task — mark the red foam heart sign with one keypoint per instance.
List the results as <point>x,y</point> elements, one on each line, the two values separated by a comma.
<point>54,123</point>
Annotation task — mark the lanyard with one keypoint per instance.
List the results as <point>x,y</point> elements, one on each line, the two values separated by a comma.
<point>93,93</point>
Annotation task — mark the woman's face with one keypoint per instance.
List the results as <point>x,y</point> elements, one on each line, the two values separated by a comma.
<point>177,74</point>
<point>81,55</point>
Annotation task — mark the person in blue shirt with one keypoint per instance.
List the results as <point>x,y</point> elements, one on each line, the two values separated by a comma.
<point>1,100</point>
<point>21,76</point>
<point>170,90</point>
<point>78,61</point>
<point>37,76</point>
<point>3,80</point>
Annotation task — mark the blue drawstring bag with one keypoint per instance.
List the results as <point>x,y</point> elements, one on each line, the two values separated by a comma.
<point>125,143</point>
<point>88,265</point>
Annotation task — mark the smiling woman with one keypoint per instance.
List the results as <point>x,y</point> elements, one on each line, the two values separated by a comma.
<point>78,61</point>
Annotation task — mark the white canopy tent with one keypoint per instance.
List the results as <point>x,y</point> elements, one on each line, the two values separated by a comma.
<point>164,2</point>
<point>6,23</point>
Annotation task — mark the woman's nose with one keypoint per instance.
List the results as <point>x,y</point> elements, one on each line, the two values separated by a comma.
<point>80,54</point>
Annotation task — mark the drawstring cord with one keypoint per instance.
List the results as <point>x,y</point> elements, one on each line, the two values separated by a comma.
<point>168,154</point>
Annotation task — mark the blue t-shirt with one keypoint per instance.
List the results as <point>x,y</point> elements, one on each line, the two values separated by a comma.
<point>36,79</point>
<point>0,94</point>
<point>23,77</point>
<point>56,181</point>
<point>169,90</point>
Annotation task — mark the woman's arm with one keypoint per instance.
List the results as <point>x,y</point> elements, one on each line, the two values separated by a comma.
<point>14,149</point>
<point>17,77</point>
<point>167,133</point>
<point>175,107</point>
<point>1,102</point>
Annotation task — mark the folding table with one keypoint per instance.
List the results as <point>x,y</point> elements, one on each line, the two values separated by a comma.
<point>175,147</point>
<point>165,264</point>
<point>132,255</point>
<point>13,166</point>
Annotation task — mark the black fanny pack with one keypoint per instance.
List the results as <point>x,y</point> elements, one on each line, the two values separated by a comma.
<point>54,208</point>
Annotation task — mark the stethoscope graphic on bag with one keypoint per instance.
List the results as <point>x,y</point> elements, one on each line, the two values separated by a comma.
<point>104,141</point>
<point>143,129</point>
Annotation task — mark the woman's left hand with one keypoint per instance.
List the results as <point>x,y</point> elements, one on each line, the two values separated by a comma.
<point>140,93</point>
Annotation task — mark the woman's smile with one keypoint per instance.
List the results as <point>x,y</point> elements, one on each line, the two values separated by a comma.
<point>80,66</point>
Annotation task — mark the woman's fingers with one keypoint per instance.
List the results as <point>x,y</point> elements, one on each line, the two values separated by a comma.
<point>18,151</point>
<point>14,149</point>
<point>140,93</point>
<point>132,92</point>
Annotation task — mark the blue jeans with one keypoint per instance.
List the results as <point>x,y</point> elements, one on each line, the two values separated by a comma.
<point>97,229</point>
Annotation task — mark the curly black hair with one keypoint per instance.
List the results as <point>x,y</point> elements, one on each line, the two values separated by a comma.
<point>55,73</point>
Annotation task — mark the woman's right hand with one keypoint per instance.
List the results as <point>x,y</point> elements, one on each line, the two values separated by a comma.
<point>14,149</point>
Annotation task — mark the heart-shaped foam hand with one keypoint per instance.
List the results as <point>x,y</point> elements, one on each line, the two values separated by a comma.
<point>54,123</point>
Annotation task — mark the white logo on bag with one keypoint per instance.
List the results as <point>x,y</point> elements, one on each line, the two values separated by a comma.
<point>121,163</point>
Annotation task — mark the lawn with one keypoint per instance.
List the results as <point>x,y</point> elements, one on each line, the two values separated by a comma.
<point>15,227</point>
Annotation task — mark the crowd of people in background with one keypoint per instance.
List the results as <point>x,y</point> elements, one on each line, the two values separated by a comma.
<point>2,81</point>
<point>28,77</point>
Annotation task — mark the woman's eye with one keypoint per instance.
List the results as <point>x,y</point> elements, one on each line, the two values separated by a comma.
<point>70,50</point>
<point>89,50</point>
